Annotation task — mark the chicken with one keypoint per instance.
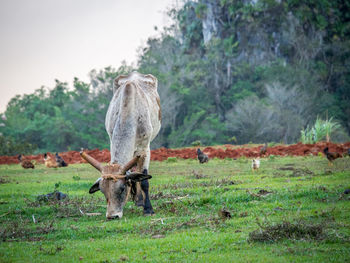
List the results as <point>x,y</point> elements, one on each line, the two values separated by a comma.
<point>60,162</point>
<point>263,149</point>
<point>49,162</point>
<point>202,157</point>
<point>25,163</point>
<point>255,164</point>
<point>331,156</point>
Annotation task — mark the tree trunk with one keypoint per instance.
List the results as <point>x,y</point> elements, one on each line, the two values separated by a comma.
<point>217,92</point>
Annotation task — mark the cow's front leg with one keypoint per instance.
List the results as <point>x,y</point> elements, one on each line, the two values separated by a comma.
<point>147,208</point>
<point>139,198</point>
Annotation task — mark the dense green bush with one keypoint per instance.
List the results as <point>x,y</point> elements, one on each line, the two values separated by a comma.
<point>8,146</point>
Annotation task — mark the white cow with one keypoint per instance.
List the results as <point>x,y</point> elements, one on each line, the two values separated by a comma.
<point>133,120</point>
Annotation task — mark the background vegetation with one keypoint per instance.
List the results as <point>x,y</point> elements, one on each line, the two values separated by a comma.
<point>254,70</point>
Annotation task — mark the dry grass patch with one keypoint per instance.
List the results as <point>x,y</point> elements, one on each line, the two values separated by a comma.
<point>287,230</point>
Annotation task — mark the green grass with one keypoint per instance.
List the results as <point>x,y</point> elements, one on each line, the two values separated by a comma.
<point>187,226</point>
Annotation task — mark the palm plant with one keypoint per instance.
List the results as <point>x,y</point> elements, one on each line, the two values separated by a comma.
<point>329,127</point>
<point>322,129</point>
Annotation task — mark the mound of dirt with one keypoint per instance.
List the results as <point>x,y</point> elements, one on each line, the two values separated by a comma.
<point>221,152</point>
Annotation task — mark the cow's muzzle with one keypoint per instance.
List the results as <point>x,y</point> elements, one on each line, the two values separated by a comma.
<point>115,216</point>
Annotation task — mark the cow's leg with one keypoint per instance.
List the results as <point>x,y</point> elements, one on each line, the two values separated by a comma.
<point>139,197</point>
<point>143,166</point>
<point>139,200</point>
<point>147,209</point>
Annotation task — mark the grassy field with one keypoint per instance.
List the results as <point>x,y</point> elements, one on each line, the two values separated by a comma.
<point>292,210</point>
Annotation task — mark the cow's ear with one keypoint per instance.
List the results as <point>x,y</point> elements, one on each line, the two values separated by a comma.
<point>118,82</point>
<point>95,187</point>
<point>137,177</point>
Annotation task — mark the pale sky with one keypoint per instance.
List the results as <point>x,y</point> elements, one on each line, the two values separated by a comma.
<point>44,40</point>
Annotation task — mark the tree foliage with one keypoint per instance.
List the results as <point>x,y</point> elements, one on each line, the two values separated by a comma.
<point>255,71</point>
<point>61,119</point>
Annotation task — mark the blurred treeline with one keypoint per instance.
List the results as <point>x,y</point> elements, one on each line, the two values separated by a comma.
<point>229,71</point>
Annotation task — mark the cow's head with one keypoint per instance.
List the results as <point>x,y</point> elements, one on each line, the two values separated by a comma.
<point>115,183</point>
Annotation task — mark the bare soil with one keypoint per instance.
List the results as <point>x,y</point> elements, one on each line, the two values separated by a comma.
<point>221,152</point>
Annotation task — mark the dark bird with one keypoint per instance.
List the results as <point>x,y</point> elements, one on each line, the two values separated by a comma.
<point>25,163</point>
<point>331,156</point>
<point>60,162</point>
<point>263,149</point>
<point>224,214</point>
<point>202,157</point>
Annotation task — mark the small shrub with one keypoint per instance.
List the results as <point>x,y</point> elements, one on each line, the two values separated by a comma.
<point>9,146</point>
<point>51,250</point>
<point>271,144</point>
<point>232,140</point>
<point>171,160</point>
<point>242,159</point>
<point>57,185</point>
<point>196,143</point>
<point>76,177</point>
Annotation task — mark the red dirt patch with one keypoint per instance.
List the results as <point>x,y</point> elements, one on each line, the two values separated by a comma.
<point>228,151</point>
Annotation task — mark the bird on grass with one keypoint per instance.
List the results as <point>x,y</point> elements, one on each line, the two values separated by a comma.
<point>60,162</point>
<point>49,162</point>
<point>25,163</point>
<point>202,157</point>
<point>263,149</point>
<point>255,164</point>
<point>331,156</point>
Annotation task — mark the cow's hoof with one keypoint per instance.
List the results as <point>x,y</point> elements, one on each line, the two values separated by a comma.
<point>148,213</point>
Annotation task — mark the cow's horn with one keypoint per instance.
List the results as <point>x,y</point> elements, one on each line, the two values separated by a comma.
<point>113,176</point>
<point>91,160</point>
<point>130,164</point>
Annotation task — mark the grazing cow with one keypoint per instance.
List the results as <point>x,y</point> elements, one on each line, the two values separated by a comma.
<point>133,120</point>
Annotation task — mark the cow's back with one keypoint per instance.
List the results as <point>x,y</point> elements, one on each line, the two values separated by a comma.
<point>133,118</point>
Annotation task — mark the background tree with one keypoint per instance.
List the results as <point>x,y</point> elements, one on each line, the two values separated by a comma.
<point>254,70</point>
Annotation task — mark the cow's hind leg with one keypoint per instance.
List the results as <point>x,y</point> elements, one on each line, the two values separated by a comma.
<point>147,208</point>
